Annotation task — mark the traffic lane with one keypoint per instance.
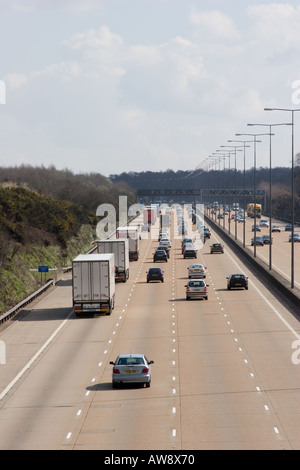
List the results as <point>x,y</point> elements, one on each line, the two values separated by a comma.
<point>36,414</point>
<point>220,406</point>
<point>265,330</point>
<point>30,329</point>
<point>139,418</point>
<point>281,247</point>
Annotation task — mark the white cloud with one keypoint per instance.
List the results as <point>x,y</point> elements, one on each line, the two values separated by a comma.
<point>215,23</point>
<point>42,5</point>
<point>102,39</point>
<point>128,104</point>
<point>277,24</point>
<point>15,80</point>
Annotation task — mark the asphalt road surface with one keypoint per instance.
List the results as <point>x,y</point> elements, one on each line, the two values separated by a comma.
<point>226,373</point>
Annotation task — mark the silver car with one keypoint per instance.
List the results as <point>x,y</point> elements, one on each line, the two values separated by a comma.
<point>131,368</point>
<point>196,270</point>
<point>196,289</point>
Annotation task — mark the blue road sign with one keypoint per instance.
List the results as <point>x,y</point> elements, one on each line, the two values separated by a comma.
<point>43,269</point>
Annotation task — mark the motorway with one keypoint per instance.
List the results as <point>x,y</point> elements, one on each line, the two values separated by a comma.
<point>280,250</point>
<point>224,377</point>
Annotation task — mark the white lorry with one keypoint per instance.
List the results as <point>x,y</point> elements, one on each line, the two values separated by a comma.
<point>93,284</point>
<point>132,233</point>
<point>120,249</point>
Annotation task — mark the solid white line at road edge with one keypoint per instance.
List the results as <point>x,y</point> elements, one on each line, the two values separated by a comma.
<point>29,363</point>
<point>269,303</point>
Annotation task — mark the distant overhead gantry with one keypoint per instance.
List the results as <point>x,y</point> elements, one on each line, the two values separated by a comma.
<point>202,195</point>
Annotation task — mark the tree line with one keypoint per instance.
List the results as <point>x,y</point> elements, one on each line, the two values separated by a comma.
<point>281,183</point>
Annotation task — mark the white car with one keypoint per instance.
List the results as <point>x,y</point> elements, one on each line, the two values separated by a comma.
<point>276,228</point>
<point>264,223</point>
<point>197,270</point>
<point>165,242</point>
<point>131,368</point>
<point>163,234</point>
<point>196,289</point>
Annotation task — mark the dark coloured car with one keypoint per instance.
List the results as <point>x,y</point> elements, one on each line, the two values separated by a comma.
<point>184,242</point>
<point>217,248</point>
<point>257,241</point>
<point>296,237</point>
<point>237,280</point>
<point>166,249</point>
<point>267,240</point>
<point>189,251</point>
<point>160,255</point>
<point>155,274</point>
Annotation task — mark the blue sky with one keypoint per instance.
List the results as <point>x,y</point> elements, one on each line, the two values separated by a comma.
<point>130,85</point>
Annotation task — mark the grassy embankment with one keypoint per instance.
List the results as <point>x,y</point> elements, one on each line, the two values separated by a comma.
<point>37,230</point>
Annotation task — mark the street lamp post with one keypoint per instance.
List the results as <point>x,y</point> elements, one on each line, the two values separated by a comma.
<point>292,111</point>
<point>244,142</point>
<point>254,183</point>
<point>228,155</point>
<point>224,169</point>
<point>229,181</point>
<point>270,187</point>
<point>214,165</point>
<point>235,147</point>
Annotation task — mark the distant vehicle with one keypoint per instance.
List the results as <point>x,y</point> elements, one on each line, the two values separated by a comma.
<point>257,241</point>
<point>163,234</point>
<point>207,232</point>
<point>190,251</point>
<point>254,210</point>
<point>132,233</point>
<point>237,280</point>
<point>217,248</point>
<point>93,289</point>
<point>296,237</point>
<point>256,228</point>
<point>264,223</point>
<point>120,249</point>
<point>160,255</point>
<point>196,289</point>
<point>155,274</point>
<point>267,240</point>
<point>166,248</point>
<point>184,242</point>
<point>288,228</point>
<point>220,216</point>
<point>165,242</point>
<point>150,214</point>
<point>197,270</point>
<point>276,228</point>
<point>131,368</point>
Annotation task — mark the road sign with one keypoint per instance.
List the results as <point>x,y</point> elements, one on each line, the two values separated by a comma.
<point>43,269</point>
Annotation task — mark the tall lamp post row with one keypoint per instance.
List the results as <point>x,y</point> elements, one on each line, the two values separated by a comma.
<point>292,111</point>
<point>255,141</point>
<point>270,182</point>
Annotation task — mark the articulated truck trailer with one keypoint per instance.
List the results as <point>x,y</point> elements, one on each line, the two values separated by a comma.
<point>130,232</point>
<point>120,249</point>
<point>93,284</point>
